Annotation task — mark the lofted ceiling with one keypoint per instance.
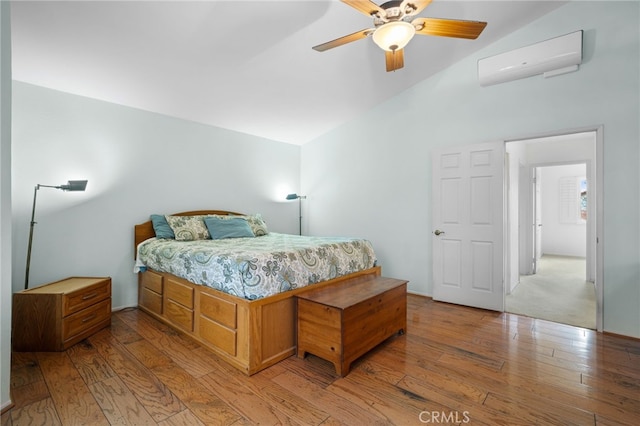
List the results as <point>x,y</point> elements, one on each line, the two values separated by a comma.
<point>246,66</point>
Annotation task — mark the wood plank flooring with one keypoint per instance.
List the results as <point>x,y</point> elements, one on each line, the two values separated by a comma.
<point>454,365</point>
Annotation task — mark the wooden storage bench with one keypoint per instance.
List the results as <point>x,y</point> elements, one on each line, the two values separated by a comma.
<point>340,324</point>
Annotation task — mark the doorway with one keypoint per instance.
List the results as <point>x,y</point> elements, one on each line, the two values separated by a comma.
<point>551,229</point>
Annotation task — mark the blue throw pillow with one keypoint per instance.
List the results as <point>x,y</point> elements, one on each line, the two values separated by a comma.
<point>161,227</point>
<point>236,227</point>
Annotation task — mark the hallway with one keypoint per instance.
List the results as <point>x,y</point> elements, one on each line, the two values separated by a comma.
<point>558,293</point>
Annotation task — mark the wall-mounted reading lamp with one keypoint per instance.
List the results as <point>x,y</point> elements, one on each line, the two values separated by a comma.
<point>299,198</point>
<point>72,185</point>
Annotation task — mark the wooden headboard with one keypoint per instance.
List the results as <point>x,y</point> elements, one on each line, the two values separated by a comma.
<point>144,231</point>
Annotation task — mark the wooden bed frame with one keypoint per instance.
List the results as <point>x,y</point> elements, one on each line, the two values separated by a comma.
<point>251,335</point>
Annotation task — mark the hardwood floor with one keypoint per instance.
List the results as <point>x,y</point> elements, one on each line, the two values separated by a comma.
<point>453,365</point>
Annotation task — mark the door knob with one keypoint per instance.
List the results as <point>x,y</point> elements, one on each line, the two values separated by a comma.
<point>438,232</point>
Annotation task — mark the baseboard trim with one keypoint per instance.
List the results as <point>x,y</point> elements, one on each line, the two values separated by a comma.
<point>6,407</point>
<point>419,295</point>
<point>623,336</point>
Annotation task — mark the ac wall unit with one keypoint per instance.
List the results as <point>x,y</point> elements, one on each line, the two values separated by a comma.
<point>556,56</point>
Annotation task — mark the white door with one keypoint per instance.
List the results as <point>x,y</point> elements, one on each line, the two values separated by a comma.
<point>468,212</point>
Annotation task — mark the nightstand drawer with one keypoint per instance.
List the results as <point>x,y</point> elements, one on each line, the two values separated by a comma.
<point>81,322</point>
<point>86,296</point>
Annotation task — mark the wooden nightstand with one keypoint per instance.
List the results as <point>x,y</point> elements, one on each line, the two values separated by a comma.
<point>55,316</point>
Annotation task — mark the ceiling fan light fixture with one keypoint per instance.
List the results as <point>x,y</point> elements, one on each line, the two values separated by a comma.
<point>394,35</point>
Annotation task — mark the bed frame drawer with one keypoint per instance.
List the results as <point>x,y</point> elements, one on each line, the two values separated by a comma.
<point>152,281</point>
<point>218,310</point>
<point>179,315</point>
<point>150,300</point>
<point>220,336</point>
<point>179,293</point>
<point>150,289</point>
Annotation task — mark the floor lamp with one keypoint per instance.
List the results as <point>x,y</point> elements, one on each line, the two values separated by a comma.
<point>299,198</point>
<point>72,185</point>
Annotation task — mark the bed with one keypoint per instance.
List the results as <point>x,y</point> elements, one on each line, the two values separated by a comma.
<point>246,318</point>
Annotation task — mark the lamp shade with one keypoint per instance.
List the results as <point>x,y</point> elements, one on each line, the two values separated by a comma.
<point>74,185</point>
<point>393,35</point>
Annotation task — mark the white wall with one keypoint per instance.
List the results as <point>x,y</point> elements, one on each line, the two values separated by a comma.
<point>5,204</point>
<point>137,163</point>
<point>371,177</point>
<point>559,237</point>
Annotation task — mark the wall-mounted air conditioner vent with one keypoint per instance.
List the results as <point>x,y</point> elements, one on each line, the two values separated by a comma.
<point>550,57</point>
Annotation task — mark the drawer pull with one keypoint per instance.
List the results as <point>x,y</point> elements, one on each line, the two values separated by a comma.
<point>89,318</point>
<point>89,296</point>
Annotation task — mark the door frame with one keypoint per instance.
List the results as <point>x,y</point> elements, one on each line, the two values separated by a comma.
<point>590,225</point>
<point>599,208</point>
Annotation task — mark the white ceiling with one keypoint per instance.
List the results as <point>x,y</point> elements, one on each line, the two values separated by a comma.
<point>247,66</point>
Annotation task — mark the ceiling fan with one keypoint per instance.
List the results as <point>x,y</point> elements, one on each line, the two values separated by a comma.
<point>394,26</point>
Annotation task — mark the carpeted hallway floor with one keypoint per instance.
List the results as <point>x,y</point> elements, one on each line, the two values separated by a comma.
<point>558,293</point>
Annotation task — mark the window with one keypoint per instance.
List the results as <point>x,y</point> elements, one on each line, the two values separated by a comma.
<point>573,199</point>
<point>583,198</point>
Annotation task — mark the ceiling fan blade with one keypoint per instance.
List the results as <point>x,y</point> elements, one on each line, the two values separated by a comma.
<point>343,40</point>
<point>448,27</point>
<point>367,7</point>
<point>417,6</point>
<point>394,59</point>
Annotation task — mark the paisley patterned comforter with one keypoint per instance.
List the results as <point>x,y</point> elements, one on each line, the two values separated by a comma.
<point>253,268</point>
